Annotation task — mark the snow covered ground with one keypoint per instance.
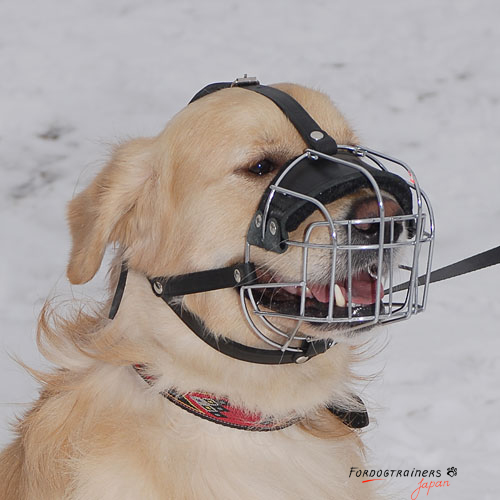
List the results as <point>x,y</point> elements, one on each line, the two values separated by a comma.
<point>419,80</point>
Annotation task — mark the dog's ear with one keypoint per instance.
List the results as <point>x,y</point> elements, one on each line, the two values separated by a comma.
<point>103,212</point>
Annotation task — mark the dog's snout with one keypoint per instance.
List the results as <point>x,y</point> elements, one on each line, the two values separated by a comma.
<point>369,209</point>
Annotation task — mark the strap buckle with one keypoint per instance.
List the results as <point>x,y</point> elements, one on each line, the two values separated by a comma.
<point>245,81</point>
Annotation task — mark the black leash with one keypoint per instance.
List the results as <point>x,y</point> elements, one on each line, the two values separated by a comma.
<point>474,263</point>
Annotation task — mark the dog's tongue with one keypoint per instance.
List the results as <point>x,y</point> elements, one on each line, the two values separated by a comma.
<point>364,290</point>
<point>320,292</point>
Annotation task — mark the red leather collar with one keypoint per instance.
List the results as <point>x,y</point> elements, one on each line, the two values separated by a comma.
<point>218,409</point>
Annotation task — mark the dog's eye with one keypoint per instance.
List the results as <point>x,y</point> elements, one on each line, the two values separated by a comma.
<point>263,167</point>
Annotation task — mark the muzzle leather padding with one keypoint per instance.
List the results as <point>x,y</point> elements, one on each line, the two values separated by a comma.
<point>326,181</point>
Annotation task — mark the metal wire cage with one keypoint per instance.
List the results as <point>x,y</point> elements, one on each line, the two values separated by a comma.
<point>402,259</point>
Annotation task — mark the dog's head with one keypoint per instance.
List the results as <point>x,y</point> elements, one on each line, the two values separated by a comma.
<point>184,201</point>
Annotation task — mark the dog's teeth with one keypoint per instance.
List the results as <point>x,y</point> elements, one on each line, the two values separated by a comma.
<point>339,296</point>
<point>373,271</point>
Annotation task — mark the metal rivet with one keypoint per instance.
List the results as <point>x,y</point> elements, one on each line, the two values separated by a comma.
<point>258,220</point>
<point>317,135</point>
<point>301,359</point>
<point>237,275</point>
<point>273,228</point>
<point>158,287</point>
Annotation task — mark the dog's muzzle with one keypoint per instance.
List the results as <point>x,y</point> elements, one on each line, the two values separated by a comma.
<point>341,278</point>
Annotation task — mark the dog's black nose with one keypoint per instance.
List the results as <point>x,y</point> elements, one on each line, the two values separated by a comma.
<point>369,209</point>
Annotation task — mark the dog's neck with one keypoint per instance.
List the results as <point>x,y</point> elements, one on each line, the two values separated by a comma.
<point>181,360</point>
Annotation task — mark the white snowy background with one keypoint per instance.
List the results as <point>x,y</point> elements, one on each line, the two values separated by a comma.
<point>419,80</point>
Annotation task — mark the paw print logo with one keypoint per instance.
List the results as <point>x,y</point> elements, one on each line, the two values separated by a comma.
<point>452,471</point>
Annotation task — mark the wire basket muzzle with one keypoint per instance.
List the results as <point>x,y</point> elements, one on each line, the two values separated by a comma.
<point>353,288</point>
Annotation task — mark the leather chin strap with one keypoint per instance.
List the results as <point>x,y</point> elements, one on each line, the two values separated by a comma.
<point>244,352</point>
<point>215,279</point>
<point>235,276</point>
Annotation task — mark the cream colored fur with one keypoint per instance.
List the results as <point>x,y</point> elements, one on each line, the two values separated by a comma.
<point>177,203</point>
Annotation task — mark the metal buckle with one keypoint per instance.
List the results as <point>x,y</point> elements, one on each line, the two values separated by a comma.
<point>245,81</point>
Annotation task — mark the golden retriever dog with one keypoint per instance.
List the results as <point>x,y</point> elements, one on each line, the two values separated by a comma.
<point>178,203</point>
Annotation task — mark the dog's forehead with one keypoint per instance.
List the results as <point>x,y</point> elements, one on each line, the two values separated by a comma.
<point>236,119</point>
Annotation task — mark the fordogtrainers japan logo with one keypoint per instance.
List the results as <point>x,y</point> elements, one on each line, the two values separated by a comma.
<point>429,478</point>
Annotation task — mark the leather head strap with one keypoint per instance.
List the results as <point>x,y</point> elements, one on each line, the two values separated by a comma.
<point>311,132</point>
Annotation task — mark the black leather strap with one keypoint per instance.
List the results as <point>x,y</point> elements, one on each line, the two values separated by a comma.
<point>314,136</point>
<point>243,352</point>
<point>204,281</point>
<point>117,298</point>
<point>210,89</point>
<point>300,118</point>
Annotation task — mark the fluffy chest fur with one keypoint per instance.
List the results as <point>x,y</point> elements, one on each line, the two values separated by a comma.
<point>143,446</point>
